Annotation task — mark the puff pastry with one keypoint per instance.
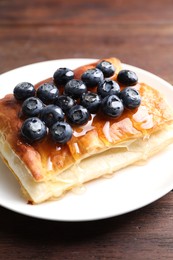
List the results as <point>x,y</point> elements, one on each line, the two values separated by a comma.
<point>46,170</point>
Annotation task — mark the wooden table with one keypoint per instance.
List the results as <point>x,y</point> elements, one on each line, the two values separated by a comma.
<point>140,33</point>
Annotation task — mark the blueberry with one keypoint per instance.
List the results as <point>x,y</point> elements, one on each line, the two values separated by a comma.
<point>51,114</point>
<point>47,92</point>
<point>127,78</point>
<point>62,76</point>
<point>33,129</point>
<point>32,106</point>
<point>112,106</point>
<point>91,101</point>
<point>75,88</point>
<point>108,87</point>
<point>78,115</point>
<point>24,90</point>
<point>64,102</point>
<point>61,132</point>
<point>130,97</point>
<point>107,68</point>
<point>92,77</point>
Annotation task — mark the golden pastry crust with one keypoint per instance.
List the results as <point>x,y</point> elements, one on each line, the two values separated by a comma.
<point>46,159</point>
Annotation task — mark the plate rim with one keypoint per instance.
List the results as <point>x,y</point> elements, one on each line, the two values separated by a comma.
<point>88,60</point>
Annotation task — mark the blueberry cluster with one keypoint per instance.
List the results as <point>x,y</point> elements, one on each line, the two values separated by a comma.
<point>39,106</point>
<point>50,110</point>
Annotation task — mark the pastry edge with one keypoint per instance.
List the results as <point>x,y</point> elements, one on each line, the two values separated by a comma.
<point>80,173</point>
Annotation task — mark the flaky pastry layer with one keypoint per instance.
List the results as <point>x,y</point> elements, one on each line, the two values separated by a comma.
<point>93,167</point>
<point>45,170</point>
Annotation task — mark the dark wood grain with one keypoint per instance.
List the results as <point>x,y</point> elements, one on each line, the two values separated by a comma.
<point>139,33</point>
<point>142,234</point>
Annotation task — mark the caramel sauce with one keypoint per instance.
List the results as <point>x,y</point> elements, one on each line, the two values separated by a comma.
<point>47,157</point>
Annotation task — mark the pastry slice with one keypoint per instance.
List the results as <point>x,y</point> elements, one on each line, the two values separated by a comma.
<point>47,169</point>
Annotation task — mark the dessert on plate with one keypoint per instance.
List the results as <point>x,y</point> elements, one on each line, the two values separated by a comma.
<point>80,125</point>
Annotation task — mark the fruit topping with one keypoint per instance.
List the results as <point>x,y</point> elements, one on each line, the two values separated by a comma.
<point>112,106</point>
<point>107,68</point>
<point>52,109</point>
<point>32,106</point>
<point>62,76</point>
<point>47,92</point>
<point>61,132</point>
<point>64,102</point>
<point>75,88</point>
<point>127,78</point>
<point>78,115</point>
<point>91,101</point>
<point>33,129</point>
<point>24,90</point>
<point>130,97</point>
<point>108,87</point>
<point>92,77</point>
<point>51,114</point>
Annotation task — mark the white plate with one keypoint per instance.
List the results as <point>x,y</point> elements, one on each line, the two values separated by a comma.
<point>129,189</point>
